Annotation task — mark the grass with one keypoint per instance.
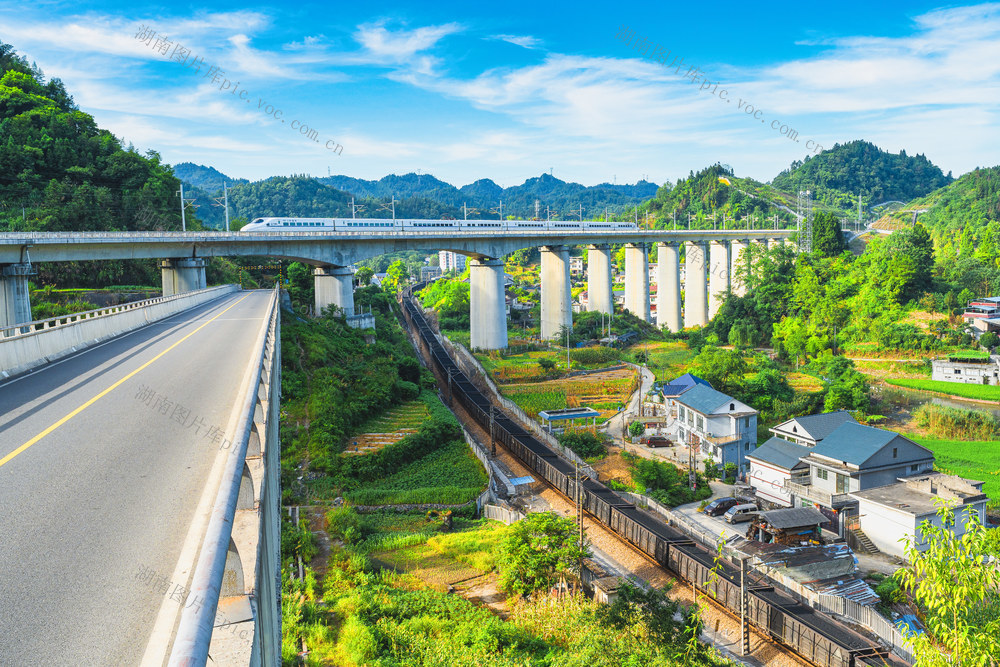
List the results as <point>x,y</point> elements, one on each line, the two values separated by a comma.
<point>803,382</point>
<point>980,392</point>
<point>667,359</point>
<point>604,394</point>
<point>978,460</point>
<point>451,475</point>
<point>476,548</point>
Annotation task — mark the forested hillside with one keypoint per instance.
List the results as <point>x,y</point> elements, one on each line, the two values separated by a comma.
<point>837,176</point>
<point>59,171</point>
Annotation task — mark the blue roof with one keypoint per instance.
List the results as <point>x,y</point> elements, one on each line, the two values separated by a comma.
<point>820,425</point>
<point>780,453</point>
<point>854,443</point>
<point>704,399</point>
<point>679,385</point>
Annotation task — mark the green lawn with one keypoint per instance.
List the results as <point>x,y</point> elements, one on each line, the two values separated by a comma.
<point>980,392</point>
<point>973,460</point>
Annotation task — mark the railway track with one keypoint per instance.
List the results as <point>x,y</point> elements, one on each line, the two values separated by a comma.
<point>816,637</point>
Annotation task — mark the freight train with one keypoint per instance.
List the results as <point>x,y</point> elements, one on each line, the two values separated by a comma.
<point>400,224</point>
<point>813,635</point>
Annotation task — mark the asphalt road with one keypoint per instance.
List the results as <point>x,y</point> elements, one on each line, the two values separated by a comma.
<point>102,465</point>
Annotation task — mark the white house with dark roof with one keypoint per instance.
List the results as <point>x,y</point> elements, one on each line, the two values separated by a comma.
<point>725,428</point>
<point>810,429</point>
<point>771,468</point>
<point>890,513</point>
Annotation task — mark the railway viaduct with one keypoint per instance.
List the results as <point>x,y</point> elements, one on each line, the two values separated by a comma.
<point>711,258</point>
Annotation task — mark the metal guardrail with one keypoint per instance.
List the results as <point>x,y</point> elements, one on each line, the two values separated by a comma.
<point>810,492</point>
<point>219,569</point>
<point>27,328</point>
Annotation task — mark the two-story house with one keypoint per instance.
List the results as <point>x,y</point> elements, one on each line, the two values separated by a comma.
<point>723,427</point>
<point>853,458</point>
<point>772,466</point>
<point>810,429</point>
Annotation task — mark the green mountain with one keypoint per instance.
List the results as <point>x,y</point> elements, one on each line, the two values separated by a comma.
<point>207,179</point>
<point>836,176</point>
<point>59,171</point>
<point>703,195</point>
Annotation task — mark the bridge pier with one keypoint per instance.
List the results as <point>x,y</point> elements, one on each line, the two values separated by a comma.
<point>668,287</point>
<point>487,304</point>
<point>557,299</point>
<point>695,285</point>
<point>183,275</point>
<point>599,294</point>
<point>334,286</point>
<point>738,257</point>
<point>637,280</point>
<point>718,281</point>
<point>15,304</point>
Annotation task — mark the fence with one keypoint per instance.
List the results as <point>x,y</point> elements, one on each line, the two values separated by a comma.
<point>498,513</point>
<point>869,618</point>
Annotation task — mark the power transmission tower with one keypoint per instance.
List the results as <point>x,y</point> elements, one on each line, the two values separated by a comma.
<point>805,227</point>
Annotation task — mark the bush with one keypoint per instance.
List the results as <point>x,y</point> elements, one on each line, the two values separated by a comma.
<point>890,592</point>
<point>546,365</point>
<point>956,423</point>
<point>636,429</point>
<point>585,444</point>
<point>344,522</point>
<point>595,355</point>
<point>407,391</point>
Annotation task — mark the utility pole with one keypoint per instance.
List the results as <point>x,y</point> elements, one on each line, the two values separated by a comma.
<point>493,440</point>
<point>744,626</point>
<point>183,219</point>
<point>225,194</point>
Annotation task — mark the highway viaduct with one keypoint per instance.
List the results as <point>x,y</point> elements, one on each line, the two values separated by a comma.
<point>711,258</point>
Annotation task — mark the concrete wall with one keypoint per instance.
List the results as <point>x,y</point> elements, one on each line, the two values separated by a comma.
<point>770,483</point>
<point>965,373</point>
<point>60,336</point>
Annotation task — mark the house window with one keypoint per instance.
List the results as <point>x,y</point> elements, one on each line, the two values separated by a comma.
<point>747,447</point>
<point>822,474</point>
<point>701,423</point>
<point>747,423</point>
<point>958,371</point>
<point>914,468</point>
<point>732,406</point>
<point>895,452</point>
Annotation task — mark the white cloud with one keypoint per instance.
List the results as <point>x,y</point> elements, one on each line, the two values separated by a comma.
<point>520,40</point>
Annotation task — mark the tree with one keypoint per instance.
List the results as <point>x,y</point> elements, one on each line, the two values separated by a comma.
<point>546,365</point>
<point>957,582</point>
<point>396,277</point>
<point>989,340</point>
<point>364,275</point>
<point>537,551</point>
<point>723,369</point>
<point>636,429</point>
<point>828,240</point>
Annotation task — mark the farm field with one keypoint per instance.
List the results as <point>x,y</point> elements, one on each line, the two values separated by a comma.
<point>389,428</point>
<point>978,460</point>
<point>977,392</point>
<point>603,391</point>
<point>803,382</point>
<point>915,370</point>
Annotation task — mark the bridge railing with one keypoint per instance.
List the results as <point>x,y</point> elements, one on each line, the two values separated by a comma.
<point>26,328</point>
<point>244,528</point>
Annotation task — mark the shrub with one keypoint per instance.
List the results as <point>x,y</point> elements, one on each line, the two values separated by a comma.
<point>890,592</point>
<point>546,365</point>
<point>585,444</point>
<point>344,523</point>
<point>595,355</point>
<point>636,429</point>
<point>956,423</point>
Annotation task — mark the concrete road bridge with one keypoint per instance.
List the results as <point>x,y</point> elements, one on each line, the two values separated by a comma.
<point>711,258</point>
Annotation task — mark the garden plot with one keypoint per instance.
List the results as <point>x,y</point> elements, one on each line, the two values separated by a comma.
<point>603,391</point>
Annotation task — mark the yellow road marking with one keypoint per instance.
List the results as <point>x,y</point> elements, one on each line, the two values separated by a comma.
<point>86,405</point>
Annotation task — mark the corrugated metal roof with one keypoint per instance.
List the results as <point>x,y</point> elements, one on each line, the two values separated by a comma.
<point>853,443</point>
<point>795,517</point>
<point>704,399</point>
<point>781,453</point>
<point>689,380</point>
<point>827,569</point>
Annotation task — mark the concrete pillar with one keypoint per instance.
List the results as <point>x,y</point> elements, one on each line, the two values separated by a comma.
<point>736,256</point>
<point>15,304</point>
<point>600,298</point>
<point>557,299</point>
<point>668,287</point>
<point>183,275</point>
<point>695,285</point>
<point>334,287</point>
<point>637,280</point>
<point>487,304</point>
<point>718,279</point>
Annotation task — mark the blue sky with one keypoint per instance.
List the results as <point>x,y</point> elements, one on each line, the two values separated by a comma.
<point>508,90</point>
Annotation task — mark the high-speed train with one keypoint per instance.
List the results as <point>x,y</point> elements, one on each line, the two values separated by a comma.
<point>385,224</point>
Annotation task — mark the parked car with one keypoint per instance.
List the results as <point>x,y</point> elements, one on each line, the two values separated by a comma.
<point>741,513</point>
<point>720,506</point>
<point>655,441</point>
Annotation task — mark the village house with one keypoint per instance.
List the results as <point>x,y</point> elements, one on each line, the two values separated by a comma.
<point>724,428</point>
<point>967,370</point>
<point>810,429</point>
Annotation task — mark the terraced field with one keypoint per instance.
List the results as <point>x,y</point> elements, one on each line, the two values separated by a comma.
<point>389,428</point>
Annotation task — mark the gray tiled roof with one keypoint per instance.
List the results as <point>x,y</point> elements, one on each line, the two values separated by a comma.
<point>704,399</point>
<point>821,425</point>
<point>795,517</point>
<point>853,443</point>
<point>780,452</point>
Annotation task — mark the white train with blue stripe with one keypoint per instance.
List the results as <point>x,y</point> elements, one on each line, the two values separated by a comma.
<point>387,224</point>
